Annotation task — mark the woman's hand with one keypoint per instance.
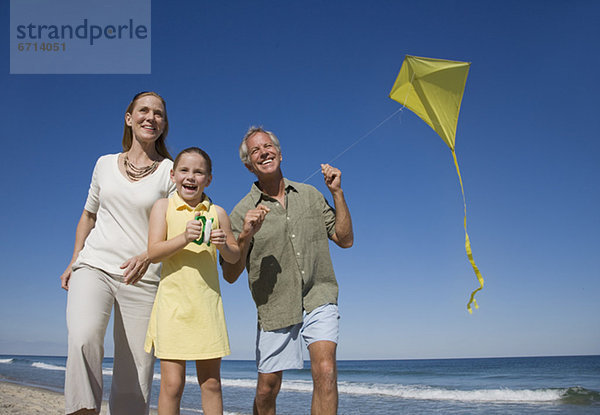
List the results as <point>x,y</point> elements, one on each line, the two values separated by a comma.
<point>84,227</point>
<point>65,277</point>
<point>135,268</point>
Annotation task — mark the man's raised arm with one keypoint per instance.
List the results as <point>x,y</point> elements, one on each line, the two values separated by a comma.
<point>344,235</point>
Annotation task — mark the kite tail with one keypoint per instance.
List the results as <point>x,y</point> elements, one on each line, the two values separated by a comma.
<point>468,243</point>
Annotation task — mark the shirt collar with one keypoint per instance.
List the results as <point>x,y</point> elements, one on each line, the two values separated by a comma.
<point>180,204</point>
<point>257,195</point>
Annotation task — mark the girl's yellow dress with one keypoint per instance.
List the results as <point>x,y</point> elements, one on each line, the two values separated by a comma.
<point>187,321</point>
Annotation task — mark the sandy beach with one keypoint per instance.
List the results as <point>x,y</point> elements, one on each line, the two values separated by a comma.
<point>25,400</point>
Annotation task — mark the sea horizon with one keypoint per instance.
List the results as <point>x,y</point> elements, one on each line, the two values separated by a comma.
<point>356,359</point>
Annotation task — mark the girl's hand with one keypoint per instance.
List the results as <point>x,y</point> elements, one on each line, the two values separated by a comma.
<point>135,268</point>
<point>218,237</point>
<point>193,230</point>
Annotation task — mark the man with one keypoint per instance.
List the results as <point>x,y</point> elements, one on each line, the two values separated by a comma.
<point>283,229</point>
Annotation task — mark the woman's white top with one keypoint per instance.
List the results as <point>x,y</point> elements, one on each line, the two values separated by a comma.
<point>122,211</point>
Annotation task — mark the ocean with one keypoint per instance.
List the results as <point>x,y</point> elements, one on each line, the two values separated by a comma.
<point>567,385</point>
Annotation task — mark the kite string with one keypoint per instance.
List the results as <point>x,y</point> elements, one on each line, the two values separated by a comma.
<point>356,142</point>
<point>370,132</point>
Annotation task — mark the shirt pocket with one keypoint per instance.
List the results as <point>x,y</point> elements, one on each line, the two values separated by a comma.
<point>313,229</point>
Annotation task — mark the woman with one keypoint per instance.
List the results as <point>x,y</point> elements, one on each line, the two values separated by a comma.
<point>110,266</point>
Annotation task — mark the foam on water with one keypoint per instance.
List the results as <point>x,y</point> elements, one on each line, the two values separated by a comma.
<point>6,360</point>
<point>417,392</point>
<point>199,411</point>
<point>238,383</point>
<point>581,396</point>
<point>420,392</point>
<point>440,394</point>
<point>414,392</point>
<point>47,366</point>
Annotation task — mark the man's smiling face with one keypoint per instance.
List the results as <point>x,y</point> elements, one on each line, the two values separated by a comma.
<point>265,158</point>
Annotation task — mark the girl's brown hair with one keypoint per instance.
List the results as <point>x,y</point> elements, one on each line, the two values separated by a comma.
<point>196,150</point>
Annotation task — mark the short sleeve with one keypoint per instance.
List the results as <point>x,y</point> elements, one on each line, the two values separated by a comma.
<point>328,216</point>
<point>237,221</point>
<point>93,200</point>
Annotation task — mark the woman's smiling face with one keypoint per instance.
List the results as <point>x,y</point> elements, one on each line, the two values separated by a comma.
<point>147,118</point>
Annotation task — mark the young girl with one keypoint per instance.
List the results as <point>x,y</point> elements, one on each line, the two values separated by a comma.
<point>187,321</point>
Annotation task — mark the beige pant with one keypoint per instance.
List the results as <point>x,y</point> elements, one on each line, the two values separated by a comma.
<point>92,295</point>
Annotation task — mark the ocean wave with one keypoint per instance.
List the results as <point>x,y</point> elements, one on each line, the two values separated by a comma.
<point>201,412</point>
<point>581,396</point>
<point>238,383</point>
<point>47,366</point>
<point>195,410</point>
<point>192,410</point>
<point>573,395</point>
<point>6,361</point>
<point>440,394</point>
<point>421,392</point>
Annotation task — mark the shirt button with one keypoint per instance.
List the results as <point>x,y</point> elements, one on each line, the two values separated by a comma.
<point>303,272</point>
<point>293,236</point>
<point>288,218</point>
<point>298,253</point>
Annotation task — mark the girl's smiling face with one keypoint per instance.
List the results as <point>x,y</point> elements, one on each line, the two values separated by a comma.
<point>191,175</point>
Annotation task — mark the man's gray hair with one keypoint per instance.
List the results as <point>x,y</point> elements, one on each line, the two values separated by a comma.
<point>251,131</point>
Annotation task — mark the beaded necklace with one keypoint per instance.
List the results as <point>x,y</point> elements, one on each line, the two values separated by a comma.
<point>137,173</point>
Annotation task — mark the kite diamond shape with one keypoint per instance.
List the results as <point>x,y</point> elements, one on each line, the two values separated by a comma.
<point>433,89</point>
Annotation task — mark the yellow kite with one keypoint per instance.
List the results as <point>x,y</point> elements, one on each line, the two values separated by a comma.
<point>433,89</point>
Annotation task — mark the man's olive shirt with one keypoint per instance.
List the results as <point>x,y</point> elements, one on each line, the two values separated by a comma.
<point>289,265</point>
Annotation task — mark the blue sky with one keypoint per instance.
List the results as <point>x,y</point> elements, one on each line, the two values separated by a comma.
<point>318,74</point>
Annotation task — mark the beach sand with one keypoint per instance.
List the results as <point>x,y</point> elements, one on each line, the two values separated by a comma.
<point>25,400</point>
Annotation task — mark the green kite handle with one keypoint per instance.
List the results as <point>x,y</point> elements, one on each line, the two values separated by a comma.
<point>201,240</point>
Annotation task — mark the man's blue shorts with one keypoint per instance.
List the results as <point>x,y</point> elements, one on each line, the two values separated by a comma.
<point>282,349</point>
